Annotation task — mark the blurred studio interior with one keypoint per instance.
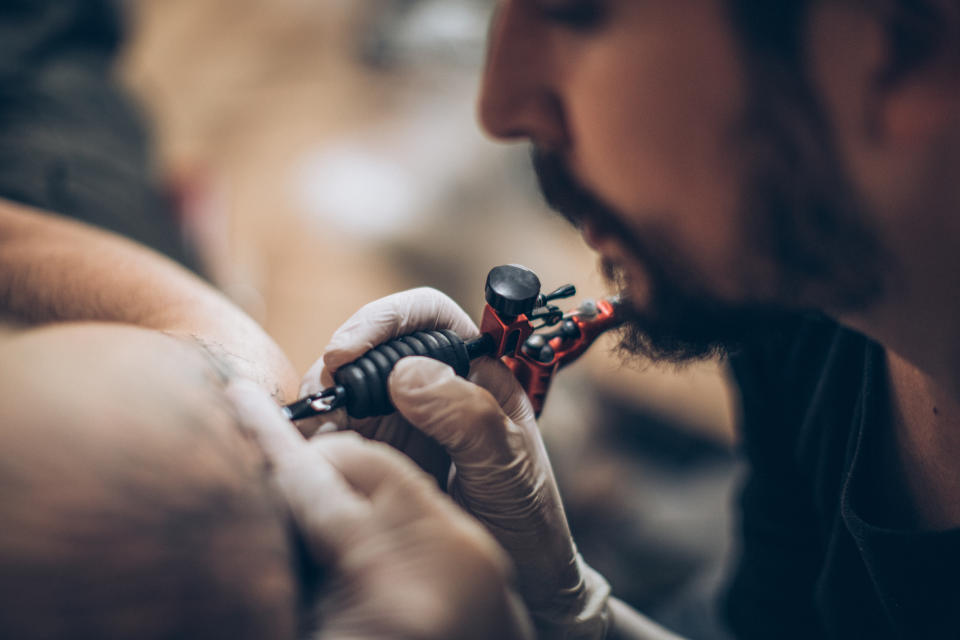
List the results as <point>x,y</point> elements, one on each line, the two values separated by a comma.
<point>319,154</point>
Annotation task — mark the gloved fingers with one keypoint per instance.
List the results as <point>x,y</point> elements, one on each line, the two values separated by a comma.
<point>336,420</point>
<point>393,316</point>
<point>429,455</point>
<point>395,431</point>
<point>464,418</point>
<point>327,423</point>
<point>392,430</point>
<point>494,376</point>
<point>375,470</point>
<point>260,417</point>
<point>324,506</point>
<point>316,379</point>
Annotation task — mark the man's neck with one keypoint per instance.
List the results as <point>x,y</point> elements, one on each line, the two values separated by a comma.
<point>920,469</point>
<point>924,445</point>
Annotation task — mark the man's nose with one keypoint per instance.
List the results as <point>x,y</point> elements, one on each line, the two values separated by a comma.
<point>518,97</point>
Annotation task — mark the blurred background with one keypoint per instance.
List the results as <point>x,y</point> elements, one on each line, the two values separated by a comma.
<point>319,154</point>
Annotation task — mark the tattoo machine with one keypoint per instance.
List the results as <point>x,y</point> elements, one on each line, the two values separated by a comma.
<point>533,337</point>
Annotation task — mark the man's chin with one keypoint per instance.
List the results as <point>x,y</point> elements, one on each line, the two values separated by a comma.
<point>650,336</point>
<point>665,324</point>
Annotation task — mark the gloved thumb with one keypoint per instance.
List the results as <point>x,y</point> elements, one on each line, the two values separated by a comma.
<point>464,418</point>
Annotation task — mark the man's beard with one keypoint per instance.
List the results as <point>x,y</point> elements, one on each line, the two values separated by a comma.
<point>800,215</point>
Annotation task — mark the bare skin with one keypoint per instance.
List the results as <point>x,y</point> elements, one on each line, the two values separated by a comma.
<point>56,270</point>
<point>123,481</point>
<point>926,443</point>
<point>132,481</point>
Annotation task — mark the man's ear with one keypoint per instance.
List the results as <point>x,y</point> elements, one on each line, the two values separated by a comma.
<point>917,89</point>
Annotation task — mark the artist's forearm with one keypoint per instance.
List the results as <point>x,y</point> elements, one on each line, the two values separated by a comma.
<point>628,624</point>
<point>55,270</point>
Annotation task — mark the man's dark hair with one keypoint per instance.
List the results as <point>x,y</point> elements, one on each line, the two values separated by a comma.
<point>71,140</point>
<point>917,30</point>
<point>799,176</point>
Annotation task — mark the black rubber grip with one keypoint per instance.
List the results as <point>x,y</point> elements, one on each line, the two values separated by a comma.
<point>365,379</point>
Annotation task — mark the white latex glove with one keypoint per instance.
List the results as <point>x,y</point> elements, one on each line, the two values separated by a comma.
<point>374,324</point>
<point>501,471</point>
<point>402,561</point>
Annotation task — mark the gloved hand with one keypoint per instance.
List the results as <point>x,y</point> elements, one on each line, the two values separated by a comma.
<point>501,471</point>
<point>372,325</point>
<point>402,561</point>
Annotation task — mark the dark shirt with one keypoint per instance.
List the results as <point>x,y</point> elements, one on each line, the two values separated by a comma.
<point>71,141</point>
<point>818,559</point>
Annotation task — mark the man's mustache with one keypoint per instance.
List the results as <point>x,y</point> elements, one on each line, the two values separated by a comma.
<point>566,195</point>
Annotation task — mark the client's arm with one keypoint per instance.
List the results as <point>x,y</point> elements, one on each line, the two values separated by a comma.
<point>132,505</point>
<point>57,270</point>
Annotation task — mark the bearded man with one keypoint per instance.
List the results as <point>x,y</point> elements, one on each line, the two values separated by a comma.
<point>775,181</point>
